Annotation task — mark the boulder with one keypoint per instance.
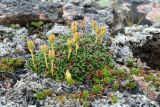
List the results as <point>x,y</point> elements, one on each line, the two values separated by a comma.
<point>24,11</point>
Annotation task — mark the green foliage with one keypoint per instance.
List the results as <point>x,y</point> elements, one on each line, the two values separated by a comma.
<point>43,94</point>
<point>120,74</point>
<point>86,104</point>
<point>40,96</point>
<point>130,63</point>
<point>130,85</point>
<point>116,86</point>
<point>150,77</point>
<point>85,94</point>
<point>90,58</point>
<point>114,99</point>
<point>37,25</point>
<point>96,89</point>
<point>10,64</point>
<point>14,26</point>
<point>136,71</point>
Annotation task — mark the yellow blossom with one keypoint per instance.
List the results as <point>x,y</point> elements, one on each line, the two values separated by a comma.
<point>51,38</point>
<point>93,24</point>
<point>68,75</point>
<point>74,26</point>
<point>44,49</point>
<point>51,54</point>
<point>77,36</point>
<point>30,44</point>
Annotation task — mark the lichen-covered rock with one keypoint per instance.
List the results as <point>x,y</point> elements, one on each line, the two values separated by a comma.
<point>59,30</point>
<point>135,36</point>
<point>23,11</point>
<point>14,40</point>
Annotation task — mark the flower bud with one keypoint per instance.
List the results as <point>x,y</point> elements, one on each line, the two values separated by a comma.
<point>93,24</point>
<point>51,54</point>
<point>68,76</point>
<point>51,38</point>
<point>30,44</point>
<point>44,49</point>
<point>74,26</point>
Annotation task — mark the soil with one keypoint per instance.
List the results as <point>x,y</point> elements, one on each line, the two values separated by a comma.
<point>150,52</point>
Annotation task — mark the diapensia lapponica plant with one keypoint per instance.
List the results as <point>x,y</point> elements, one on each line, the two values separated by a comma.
<point>73,56</point>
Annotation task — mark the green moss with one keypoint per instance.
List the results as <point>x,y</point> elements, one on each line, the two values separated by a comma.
<point>96,89</point>
<point>10,64</point>
<point>115,86</point>
<point>150,77</point>
<point>114,99</point>
<point>43,94</point>
<point>85,94</point>
<point>130,85</point>
<point>136,71</point>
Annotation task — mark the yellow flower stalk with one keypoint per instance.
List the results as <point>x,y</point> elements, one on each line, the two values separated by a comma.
<point>82,25</point>
<point>94,25</point>
<point>70,43</point>
<point>97,30</point>
<point>76,36</point>
<point>74,26</point>
<point>102,33</point>
<point>31,46</point>
<point>44,50</point>
<point>51,39</point>
<point>77,39</point>
<point>51,55</point>
<point>69,77</point>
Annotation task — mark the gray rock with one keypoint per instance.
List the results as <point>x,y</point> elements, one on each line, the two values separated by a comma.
<point>59,29</point>
<point>134,36</point>
<point>14,40</point>
<point>71,12</point>
<point>23,11</point>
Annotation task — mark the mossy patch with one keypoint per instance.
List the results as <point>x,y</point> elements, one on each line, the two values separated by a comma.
<point>10,64</point>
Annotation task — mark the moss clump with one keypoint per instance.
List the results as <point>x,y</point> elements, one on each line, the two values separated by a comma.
<point>89,59</point>
<point>43,94</point>
<point>10,64</point>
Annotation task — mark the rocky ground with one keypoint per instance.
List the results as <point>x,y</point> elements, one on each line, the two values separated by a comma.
<point>137,41</point>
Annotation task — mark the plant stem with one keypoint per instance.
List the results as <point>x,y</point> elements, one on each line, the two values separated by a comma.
<point>45,57</point>
<point>96,38</point>
<point>33,60</point>
<point>52,47</point>
<point>52,69</point>
<point>77,46</point>
<point>69,52</point>
<point>101,40</point>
